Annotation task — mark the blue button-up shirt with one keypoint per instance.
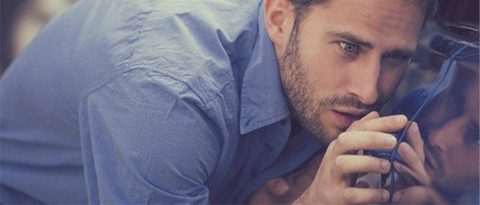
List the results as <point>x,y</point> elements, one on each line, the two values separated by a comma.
<point>122,102</point>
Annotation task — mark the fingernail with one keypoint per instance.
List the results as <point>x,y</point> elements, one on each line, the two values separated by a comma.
<point>400,119</point>
<point>415,128</point>
<point>391,141</point>
<point>385,165</point>
<point>385,195</point>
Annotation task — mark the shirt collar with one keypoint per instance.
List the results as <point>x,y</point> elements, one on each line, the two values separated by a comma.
<point>262,98</point>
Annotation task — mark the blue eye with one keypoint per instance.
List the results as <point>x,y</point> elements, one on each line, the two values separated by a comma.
<point>349,48</point>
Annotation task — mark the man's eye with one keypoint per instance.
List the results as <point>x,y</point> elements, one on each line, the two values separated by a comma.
<point>349,48</point>
<point>396,59</point>
<point>472,135</point>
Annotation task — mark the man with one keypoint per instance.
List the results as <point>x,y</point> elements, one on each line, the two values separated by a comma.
<point>183,102</point>
<point>449,161</point>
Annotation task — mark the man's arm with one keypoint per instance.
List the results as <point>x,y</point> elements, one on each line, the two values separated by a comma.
<point>145,139</point>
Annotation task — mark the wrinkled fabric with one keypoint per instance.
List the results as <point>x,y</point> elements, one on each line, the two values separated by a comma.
<point>145,102</point>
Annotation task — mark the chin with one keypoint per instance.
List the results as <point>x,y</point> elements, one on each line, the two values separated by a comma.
<point>332,130</point>
<point>332,134</point>
<point>326,134</point>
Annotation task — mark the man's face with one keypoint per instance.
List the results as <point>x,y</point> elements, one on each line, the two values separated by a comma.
<point>452,146</point>
<point>345,58</point>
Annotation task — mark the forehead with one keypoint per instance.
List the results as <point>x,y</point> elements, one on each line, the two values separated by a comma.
<point>381,22</point>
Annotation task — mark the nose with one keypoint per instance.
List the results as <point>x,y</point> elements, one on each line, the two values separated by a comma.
<point>438,139</point>
<point>363,82</point>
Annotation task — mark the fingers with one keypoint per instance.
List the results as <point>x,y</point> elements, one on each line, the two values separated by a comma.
<point>413,176</point>
<point>353,195</point>
<point>415,167</point>
<point>413,155</point>
<point>371,115</point>
<point>417,176</point>
<point>278,186</point>
<point>417,195</point>
<point>349,164</point>
<point>370,122</point>
<point>410,156</point>
<point>415,140</point>
<point>361,140</point>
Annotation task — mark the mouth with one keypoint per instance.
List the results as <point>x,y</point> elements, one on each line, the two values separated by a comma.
<point>430,162</point>
<point>346,117</point>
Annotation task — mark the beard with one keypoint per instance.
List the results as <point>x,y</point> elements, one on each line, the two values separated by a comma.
<point>308,108</point>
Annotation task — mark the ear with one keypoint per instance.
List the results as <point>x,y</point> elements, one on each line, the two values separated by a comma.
<point>278,186</point>
<point>279,16</point>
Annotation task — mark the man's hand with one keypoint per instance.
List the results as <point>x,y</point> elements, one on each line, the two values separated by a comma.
<point>418,184</point>
<point>413,155</point>
<point>331,183</point>
<point>418,195</point>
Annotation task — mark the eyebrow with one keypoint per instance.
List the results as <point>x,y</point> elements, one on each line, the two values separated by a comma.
<point>350,37</point>
<point>357,40</point>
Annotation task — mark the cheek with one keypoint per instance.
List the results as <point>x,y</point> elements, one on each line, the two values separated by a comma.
<point>463,161</point>
<point>389,79</point>
<point>324,71</point>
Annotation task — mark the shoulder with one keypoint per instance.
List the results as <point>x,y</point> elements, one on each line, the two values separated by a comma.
<point>194,41</point>
<point>149,95</point>
<point>154,121</point>
<point>158,89</point>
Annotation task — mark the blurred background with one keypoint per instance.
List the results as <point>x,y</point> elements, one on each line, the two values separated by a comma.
<point>20,20</point>
<point>459,19</point>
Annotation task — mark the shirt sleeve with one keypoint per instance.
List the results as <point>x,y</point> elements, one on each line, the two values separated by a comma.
<point>146,139</point>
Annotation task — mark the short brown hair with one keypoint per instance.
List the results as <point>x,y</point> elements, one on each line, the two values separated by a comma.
<point>428,7</point>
